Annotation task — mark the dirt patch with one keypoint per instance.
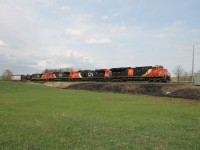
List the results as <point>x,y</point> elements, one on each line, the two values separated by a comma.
<point>165,90</point>
<point>53,84</point>
<point>59,84</point>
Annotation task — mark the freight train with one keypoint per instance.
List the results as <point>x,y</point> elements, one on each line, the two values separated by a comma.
<point>145,73</point>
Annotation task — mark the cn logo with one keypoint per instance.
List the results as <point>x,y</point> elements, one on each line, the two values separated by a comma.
<point>90,74</point>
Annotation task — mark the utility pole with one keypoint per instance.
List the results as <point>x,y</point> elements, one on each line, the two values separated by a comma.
<point>193,65</point>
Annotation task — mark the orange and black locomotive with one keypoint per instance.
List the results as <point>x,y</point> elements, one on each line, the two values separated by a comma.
<point>145,73</point>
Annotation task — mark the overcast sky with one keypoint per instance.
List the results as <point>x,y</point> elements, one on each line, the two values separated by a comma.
<point>39,34</point>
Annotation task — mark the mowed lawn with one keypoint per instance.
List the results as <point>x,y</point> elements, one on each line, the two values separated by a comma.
<point>39,117</point>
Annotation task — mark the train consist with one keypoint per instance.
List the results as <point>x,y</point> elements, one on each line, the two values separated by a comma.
<point>145,73</point>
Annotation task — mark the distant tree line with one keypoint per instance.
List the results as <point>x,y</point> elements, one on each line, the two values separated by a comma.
<point>59,70</point>
<point>182,75</point>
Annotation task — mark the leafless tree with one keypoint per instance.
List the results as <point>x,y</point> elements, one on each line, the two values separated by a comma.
<point>178,71</point>
<point>190,76</point>
<point>187,76</point>
<point>59,70</point>
<point>47,70</point>
<point>7,74</point>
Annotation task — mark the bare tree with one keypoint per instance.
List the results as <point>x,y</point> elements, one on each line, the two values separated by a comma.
<point>190,76</point>
<point>59,70</point>
<point>178,71</point>
<point>47,70</point>
<point>50,70</point>
<point>7,74</point>
<point>187,76</point>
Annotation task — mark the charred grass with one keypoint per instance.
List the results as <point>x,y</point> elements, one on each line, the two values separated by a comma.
<point>164,90</point>
<point>40,117</point>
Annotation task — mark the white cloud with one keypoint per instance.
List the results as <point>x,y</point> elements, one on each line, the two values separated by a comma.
<point>66,8</point>
<point>42,63</point>
<point>105,17</point>
<point>174,29</point>
<point>65,59</point>
<point>2,44</point>
<point>78,57</point>
<point>85,18</point>
<point>71,53</point>
<point>117,29</point>
<point>195,31</point>
<point>160,35</point>
<point>98,41</point>
<point>109,17</point>
<point>29,18</point>
<point>73,32</point>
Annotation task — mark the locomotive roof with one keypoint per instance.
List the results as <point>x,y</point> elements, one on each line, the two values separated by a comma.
<point>121,68</point>
<point>37,74</point>
<point>144,67</point>
<point>100,69</point>
<point>85,70</point>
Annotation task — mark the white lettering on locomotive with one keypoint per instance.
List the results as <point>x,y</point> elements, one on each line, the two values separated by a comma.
<point>90,74</point>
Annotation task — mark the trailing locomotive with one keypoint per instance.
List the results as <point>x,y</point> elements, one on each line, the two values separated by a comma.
<point>146,73</point>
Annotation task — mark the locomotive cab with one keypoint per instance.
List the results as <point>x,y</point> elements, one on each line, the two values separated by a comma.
<point>159,73</point>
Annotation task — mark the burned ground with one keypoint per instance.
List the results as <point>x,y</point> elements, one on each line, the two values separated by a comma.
<point>166,90</point>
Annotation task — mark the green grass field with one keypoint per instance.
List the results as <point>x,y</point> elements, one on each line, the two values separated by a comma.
<point>39,117</point>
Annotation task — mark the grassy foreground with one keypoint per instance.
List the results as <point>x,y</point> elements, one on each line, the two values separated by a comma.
<point>39,117</point>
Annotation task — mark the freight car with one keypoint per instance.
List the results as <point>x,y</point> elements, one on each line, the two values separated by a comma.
<point>146,73</point>
<point>18,78</point>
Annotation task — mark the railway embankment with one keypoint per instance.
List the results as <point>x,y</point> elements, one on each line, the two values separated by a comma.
<point>185,91</point>
<point>174,90</point>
